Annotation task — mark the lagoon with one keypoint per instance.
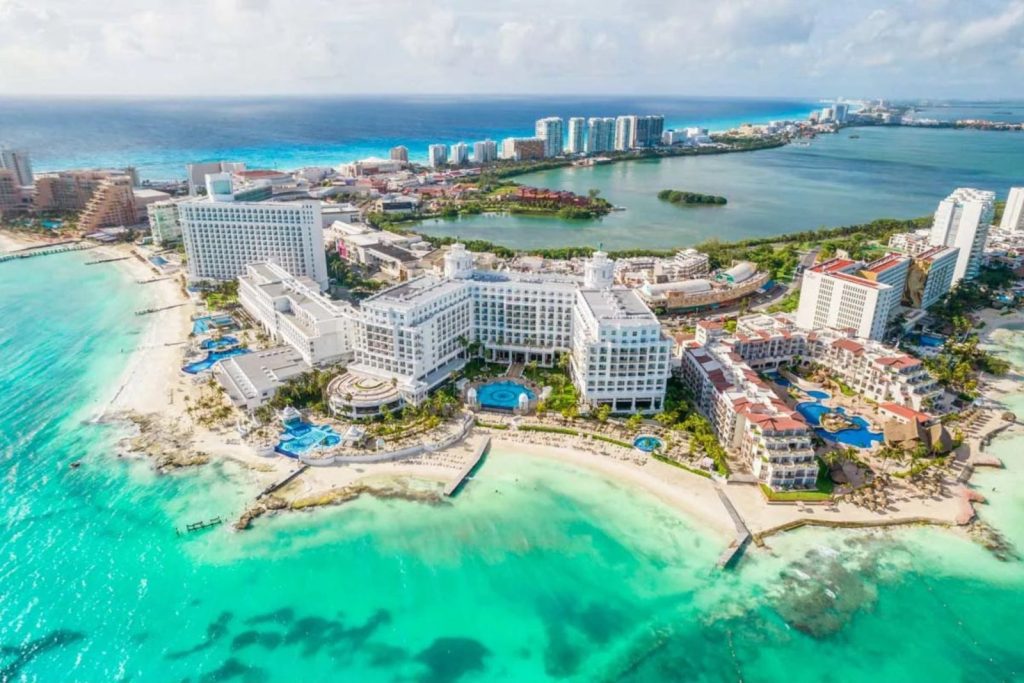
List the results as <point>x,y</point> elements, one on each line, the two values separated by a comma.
<point>837,180</point>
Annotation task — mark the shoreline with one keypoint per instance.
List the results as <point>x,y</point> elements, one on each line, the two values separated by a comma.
<point>152,387</point>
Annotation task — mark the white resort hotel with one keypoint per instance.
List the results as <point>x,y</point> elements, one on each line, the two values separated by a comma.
<point>409,339</point>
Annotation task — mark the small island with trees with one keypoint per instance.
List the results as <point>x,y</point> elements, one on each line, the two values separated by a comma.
<point>682,198</point>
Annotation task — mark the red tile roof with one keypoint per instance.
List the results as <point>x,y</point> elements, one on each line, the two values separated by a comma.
<point>905,412</point>
<point>848,345</point>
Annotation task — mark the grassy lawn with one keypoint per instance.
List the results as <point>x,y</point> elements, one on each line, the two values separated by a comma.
<point>823,489</point>
<point>691,470</point>
<point>552,430</point>
<point>478,368</point>
<point>608,439</point>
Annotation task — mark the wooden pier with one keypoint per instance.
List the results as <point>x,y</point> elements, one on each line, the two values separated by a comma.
<point>199,526</point>
<point>455,484</point>
<point>147,311</point>
<point>108,260</point>
<point>730,554</point>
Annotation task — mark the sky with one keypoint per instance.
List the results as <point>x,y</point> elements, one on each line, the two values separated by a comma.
<point>966,49</point>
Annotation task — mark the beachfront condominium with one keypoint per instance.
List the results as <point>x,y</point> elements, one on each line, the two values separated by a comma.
<point>577,135</point>
<point>550,131</point>
<point>1013,213</point>
<point>164,224</point>
<point>600,134</point>
<point>485,151</point>
<point>624,132</point>
<point>962,221</point>
<point>930,277</point>
<point>847,294</point>
<point>460,154</point>
<point>17,161</point>
<point>111,204</point>
<point>399,153</point>
<point>14,198</point>
<point>646,131</point>
<point>437,155</point>
<point>222,236</point>
<point>292,310</point>
<point>522,149</point>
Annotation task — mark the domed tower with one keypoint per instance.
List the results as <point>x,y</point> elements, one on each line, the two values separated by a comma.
<point>599,271</point>
<point>458,263</point>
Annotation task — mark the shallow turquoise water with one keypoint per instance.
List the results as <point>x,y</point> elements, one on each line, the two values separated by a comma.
<point>837,180</point>
<point>535,572</point>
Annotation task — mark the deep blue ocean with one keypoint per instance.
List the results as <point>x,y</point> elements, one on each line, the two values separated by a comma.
<point>160,136</point>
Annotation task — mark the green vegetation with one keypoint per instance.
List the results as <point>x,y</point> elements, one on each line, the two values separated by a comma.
<point>552,430</point>
<point>307,391</point>
<point>674,463</point>
<point>787,304</point>
<point>564,398</point>
<point>683,198</point>
<point>345,275</point>
<point>491,425</point>
<point>608,439</point>
<point>222,295</point>
<point>478,368</point>
<point>957,365</point>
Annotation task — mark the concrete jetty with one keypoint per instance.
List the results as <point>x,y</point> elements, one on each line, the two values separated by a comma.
<point>730,554</point>
<point>45,251</point>
<point>455,484</point>
<point>284,482</point>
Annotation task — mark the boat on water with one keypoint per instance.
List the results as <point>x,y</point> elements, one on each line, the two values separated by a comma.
<point>854,137</point>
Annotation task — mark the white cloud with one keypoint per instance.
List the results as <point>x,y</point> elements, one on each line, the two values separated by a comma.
<point>780,47</point>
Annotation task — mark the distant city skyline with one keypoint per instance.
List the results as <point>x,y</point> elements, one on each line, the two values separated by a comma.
<point>789,48</point>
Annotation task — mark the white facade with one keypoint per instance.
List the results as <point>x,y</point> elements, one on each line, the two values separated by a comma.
<point>550,131</point>
<point>1013,214</point>
<point>163,222</point>
<point>577,135</point>
<point>223,237</point>
<point>416,334</point>
<point>624,126</point>
<point>437,155</point>
<point>962,221</point>
<point>460,154</point>
<point>911,243</point>
<point>833,295</point>
<point>600,134</point>
<point>620,357</point>
<point>293,311</point>
<point>485,151</point>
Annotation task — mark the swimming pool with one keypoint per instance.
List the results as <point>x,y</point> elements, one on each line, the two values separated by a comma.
<point>221,343</point>
<point>51,224</point>
<point>820,395</point>
<point>213,322</point>
<point>301,437</point>
<point>778,379</point>
<point>211,358</point>
<point>931,340</point>
<point>503,394</point>
<point>859,436</point>
<point>647,443</point>
<point>158,260</point>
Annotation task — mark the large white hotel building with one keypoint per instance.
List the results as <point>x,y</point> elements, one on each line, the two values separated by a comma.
<point>405,341</point>
<point>223,236</point>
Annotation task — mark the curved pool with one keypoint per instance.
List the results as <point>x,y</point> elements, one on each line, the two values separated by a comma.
<point>647,443</point>
<point>211,359</point>
<point>503,394</point>
<point>859,436</point>
<point>820,395</point>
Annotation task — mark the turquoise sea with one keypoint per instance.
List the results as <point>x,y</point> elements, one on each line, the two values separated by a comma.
<point>537,572</point>
<point>836,180</point>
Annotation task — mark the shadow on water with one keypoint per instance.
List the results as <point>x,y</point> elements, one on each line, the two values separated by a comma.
<point>21,655</point>
<point>449,659</point>
<point>215,631</point>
